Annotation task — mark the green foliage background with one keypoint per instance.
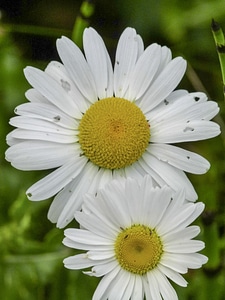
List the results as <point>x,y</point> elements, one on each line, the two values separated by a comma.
<point>31,250</point>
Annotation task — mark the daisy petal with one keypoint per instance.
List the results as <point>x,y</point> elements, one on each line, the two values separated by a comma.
<point>51,90</point>
<point>180,158</point>
<point>164,84</point>
<point>166,57</point>
<point>39,125</point>
<point>154,287</point>
<point>69,199</point>
<point>33,155</point>
<point>144,71</point>
<point>186,233</point>
<point>46,112</point>
<point>102,268</point>
<point>60,74</point>
<point>77,262</point>
<point>185,108</point>
<point>36,97</point>
<point>166,289</point>
<point>85,237</point>
<point>99,61</point>
<point>172,176</point>
<point>185,246</point>
<point>119,286</point>
<point>54,182</point>
<point>77,67</point>
<point>104,286</point>
<point>126,57</point>
<point>184,132</point>
<point>137,293</point>
<point>171,274</point>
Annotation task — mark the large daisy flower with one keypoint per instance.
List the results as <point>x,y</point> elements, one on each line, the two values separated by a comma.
<point>136,237</point>
<point>92,123</point>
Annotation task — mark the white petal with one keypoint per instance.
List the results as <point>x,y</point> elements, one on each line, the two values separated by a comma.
<point>70,199</point>
<point>102,254</point>
<point>99,62</point>
<point>55,181</point>
<point>172,176</point>
<point>181,262</point>
<point>46,112</point>
<point>154,209</point>
<point>102,268</point>
<point>146,288</point>
<point>138,289</point>
<point>77,67</point>
<point>180,158</point>
<point>35,155</point>
<point>140,45</point>
<point>166,289</point>
<point>102,176</point>
<point>35,96</point>
<point>144,71</point>
<point>60,74</point>
<point>177,94</point>
<point>81,236</point>
<point>130,286</point>
<point>104,286</point>
<point>164,84</point>
<point>182,235</point>
<point>176,104</point>
<point>182,131</point>
<point>134,207</point>
<point>51,90</point>
<point>76,262</point>
<point>171,274</point>
<point>166,57</point>
<point>145,211</point>
<point>175,262</point>
<point>39,125</point>
<point>181,219</point>
<point>190,246</point>
<point>60,201</point>
<point>134,171</point>
<point>158,180</point>
<point>94,224</point>
<point>115,206</point>
<point>154,286</point>
<point>23,134</point>
<point>126,57</point>
<point>186,108</point>
<point>119,286</point>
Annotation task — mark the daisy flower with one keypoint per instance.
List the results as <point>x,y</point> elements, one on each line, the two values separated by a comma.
<point>137,237</point>
<point>91,123</point>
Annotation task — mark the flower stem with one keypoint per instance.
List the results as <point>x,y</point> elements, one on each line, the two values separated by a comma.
<point>82,21</point>
<point>220,46</point>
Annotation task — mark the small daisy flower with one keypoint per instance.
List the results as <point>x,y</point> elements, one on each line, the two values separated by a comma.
<point>137,237</point>
<point>92,123</point>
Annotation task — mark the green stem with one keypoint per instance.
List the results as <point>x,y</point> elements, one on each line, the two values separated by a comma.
<point>82,21</point>
<point>220,45</point>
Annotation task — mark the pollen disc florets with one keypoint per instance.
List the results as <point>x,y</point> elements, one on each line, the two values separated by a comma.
<point>138,249</point>
<point>113,133</point>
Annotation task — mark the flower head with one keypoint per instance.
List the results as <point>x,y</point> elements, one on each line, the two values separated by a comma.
<point>92,123</point>
<point>136,237</point>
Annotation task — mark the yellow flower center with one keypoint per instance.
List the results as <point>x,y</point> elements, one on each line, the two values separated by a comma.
<point>113,133</point>
<point>138,249</point>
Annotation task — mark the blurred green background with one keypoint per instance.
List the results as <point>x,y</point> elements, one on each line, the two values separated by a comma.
<point>31,250</point>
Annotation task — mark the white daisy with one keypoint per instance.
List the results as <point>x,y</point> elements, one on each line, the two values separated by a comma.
<point>136,237</point>
<point>92,123</point>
